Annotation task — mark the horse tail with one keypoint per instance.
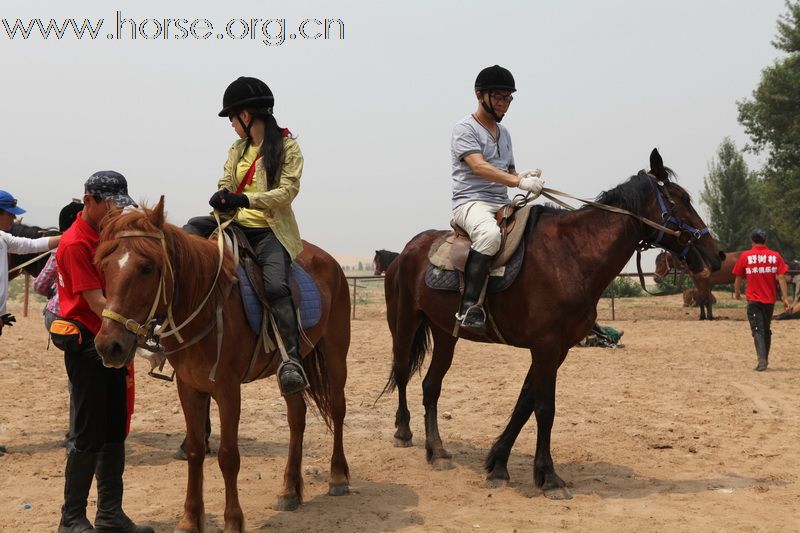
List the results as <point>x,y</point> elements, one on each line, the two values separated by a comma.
<point>402,370</point>
<point>319,389</point>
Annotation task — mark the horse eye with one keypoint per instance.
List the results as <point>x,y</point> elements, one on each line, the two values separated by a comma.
<point>146,270</point>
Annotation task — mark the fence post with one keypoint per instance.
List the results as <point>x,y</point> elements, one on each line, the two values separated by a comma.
<point>355,284</point>
<point>27,290</point>
<point>613,313</point>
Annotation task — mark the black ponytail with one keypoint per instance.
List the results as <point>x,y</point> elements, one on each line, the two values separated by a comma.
<point>271,147</point>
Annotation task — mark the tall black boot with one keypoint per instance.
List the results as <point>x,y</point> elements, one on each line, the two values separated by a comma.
<point>761,351</point>
<point>78,476</point>
<point>110,516</point>
<point>471,316</point>
<point>291,376</point>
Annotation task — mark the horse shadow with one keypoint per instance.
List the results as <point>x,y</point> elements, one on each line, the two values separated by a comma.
<point>152,448</point>
<point>369,507</point>
<point>600,478</point>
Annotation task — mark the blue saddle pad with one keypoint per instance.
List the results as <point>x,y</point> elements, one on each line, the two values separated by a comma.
<point>310,302</point>
<point>447,280</point>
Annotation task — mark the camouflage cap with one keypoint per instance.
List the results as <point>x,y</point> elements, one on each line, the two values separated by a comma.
<point>110,185</point>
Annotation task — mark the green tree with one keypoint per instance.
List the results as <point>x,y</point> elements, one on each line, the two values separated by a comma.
<point>772,120</point>
<point>731,194</point>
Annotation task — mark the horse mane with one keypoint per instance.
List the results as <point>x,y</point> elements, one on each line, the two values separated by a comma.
<point>630,194</point>
<point>194,259</point>
<point>31,232</point>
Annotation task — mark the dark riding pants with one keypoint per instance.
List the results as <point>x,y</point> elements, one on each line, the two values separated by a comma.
<point>272,256</point>
<point>760,317</point>
<point>99,399</point>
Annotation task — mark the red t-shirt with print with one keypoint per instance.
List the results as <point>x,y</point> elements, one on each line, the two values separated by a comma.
<point>761,266</point>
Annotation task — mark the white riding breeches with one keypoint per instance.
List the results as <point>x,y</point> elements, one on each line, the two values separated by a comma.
<point>477,219</point>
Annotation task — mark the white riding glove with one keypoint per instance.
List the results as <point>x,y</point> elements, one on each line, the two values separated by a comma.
<point>530,181</point>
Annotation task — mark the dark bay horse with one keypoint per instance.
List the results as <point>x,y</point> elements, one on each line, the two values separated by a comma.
<point>570,258</point>
<point>157,254</point>
<point>666,262</point>
<point>382,260</point>
<point>14,260</point>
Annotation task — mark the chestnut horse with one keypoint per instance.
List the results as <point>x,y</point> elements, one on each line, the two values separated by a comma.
<point>139,253</point>
<point>570,258</point>
<point>666,262</point>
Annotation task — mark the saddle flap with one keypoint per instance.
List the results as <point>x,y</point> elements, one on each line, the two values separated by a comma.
<point>450,250</point>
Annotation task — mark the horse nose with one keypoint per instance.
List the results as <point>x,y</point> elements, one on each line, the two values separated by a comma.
<point>111,353</point>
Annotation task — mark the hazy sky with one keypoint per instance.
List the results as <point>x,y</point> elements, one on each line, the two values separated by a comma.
<point>600,83</point>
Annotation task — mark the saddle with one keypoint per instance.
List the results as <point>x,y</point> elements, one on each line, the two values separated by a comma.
<point>304,292</point>
<point>450,250</point>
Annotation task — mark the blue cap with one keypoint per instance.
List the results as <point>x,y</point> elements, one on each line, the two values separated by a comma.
<point>9,203</point>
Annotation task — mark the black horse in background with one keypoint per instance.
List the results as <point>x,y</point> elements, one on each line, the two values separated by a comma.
<point>383,258</point>
<point>14,260</point>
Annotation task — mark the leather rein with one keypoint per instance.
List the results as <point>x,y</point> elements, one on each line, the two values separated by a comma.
<point>685,234</point>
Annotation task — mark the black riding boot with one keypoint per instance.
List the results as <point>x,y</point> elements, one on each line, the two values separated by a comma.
<point>78,476</point>
<point>761,351</point>
<point>471,316</point>
<point>291,377</point>
<point>110,516</point>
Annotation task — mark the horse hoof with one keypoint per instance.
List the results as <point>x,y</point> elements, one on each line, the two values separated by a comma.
<point>400,443</point>
<point>496,483</point>
<point>558,493</point>
<point>286,503</point>
<point>339,490</point>
<point>442,464</point>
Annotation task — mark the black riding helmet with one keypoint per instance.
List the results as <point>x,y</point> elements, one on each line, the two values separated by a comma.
<point>494,78</point>
<point>247,93</point>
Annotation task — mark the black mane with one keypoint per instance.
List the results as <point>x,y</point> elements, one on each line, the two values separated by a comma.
<point>631,194</point>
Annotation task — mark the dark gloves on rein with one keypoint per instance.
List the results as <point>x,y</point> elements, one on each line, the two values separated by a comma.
<point>225,201</point>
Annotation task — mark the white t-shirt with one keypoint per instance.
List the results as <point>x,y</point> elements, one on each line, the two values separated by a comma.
<point>10,244</point>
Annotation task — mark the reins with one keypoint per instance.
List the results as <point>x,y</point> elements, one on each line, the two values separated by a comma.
<point>26,263</point>
<point>147,329</point>
<point>666,215</point>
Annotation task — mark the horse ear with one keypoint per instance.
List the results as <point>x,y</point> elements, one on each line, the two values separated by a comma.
<point>157,214</point>
<point>656,163</point>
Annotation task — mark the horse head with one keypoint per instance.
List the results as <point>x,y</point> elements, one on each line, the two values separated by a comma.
<point>671,206</point>
<point>134,261</point>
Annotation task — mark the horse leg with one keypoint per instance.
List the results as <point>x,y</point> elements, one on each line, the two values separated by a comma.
<point>403,333</point>
<point>229,403</point>
<point>544,406</point>
<point>497,460</point>
<point>292,494</point>
<point>443,346</point>
<point>709,304</point>
<point>337,376</point>
<point>193,403</point>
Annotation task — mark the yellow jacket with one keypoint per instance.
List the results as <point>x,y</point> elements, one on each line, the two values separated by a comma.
<point>275,203</point>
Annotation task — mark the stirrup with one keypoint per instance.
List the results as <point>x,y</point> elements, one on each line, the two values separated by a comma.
<point>299,368</point>
<point>469,321</point>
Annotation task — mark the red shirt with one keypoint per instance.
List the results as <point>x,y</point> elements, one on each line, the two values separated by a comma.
<point>77,273</point>
<point>761,266</point>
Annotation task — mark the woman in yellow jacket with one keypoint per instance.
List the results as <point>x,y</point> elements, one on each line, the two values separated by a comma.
<point>260,180</point>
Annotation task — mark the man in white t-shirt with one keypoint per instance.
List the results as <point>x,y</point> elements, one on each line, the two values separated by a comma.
<point>14,245</point>
<point>483,170</point>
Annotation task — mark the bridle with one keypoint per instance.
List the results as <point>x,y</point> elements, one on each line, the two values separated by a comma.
<point>147,329</point>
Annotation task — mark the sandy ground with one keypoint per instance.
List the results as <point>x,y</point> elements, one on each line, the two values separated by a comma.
<point>673,432</point>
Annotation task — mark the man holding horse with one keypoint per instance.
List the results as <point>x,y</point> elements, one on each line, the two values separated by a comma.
<point>9,210</point>
<point>762,267</point>
<point>483,169</point>
<point>99,394</point>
